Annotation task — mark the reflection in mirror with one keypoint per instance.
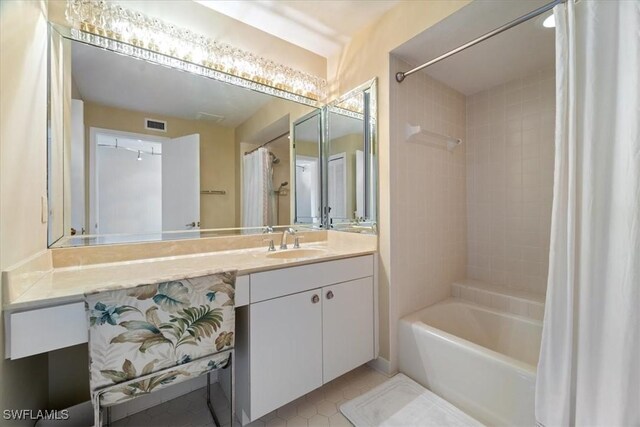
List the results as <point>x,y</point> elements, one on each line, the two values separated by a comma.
<point>307,149</point>
<point>158,153</point>
<point>350,159</point>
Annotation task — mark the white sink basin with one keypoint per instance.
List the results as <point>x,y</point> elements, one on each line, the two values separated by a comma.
<point>295,253</point>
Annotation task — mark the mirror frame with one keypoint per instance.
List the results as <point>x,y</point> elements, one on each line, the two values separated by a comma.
<point>317,220</point>
<point>369,116</point>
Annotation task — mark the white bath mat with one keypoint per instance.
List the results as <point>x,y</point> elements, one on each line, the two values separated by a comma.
<point>401,401</point>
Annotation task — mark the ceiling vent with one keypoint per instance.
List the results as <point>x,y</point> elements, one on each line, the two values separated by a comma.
<point>157,125</point>
<point>216,118</point>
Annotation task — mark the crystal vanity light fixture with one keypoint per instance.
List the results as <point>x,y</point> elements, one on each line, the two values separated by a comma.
<point>111,26</point>
<point>352,106</point>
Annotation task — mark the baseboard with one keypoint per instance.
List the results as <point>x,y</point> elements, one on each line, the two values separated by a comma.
<point>383,366</point>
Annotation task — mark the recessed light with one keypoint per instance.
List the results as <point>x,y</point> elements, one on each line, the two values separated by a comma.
<point>549,22</point>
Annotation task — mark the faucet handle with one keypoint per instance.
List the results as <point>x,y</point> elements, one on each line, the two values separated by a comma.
<point>271,245</point>
<point>267,230</point>
<point>296,243</point>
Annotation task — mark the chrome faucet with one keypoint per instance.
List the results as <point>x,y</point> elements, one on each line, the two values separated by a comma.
<point>283,243</point>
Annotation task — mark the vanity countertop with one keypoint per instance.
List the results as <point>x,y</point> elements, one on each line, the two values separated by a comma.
<point>68,284</point>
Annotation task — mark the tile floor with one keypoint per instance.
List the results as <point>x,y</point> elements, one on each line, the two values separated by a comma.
<point>318,408</point>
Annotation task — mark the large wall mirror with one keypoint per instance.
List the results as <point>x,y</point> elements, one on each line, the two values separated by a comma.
<point>140,151</point>
<point>351,158</point>
<point>335,163</point>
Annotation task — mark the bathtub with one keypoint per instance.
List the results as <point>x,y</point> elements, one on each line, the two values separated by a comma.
<point>480,359</point>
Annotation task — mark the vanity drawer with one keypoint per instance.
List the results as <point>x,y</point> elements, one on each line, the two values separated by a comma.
<point>286,281</point>
<point>39,331</point>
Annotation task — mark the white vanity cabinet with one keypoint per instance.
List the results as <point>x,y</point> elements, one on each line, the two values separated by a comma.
<point>309,325</point>
<point>286,349</point>
<point>347,327</point>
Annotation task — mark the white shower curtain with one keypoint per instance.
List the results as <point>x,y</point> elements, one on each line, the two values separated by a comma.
<point>256,188</point>
<point>589,369</point>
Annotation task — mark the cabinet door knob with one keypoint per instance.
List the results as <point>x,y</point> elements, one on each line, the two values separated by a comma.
<point>315,299</point>
<point>329,294</point>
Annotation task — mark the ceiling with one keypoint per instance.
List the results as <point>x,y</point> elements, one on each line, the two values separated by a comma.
<point>120,81</point>
<point>514,53</point>
<point>322,27</point>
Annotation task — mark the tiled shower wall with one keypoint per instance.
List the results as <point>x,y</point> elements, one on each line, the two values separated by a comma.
<point>510,155</point>
<point>428,197</point>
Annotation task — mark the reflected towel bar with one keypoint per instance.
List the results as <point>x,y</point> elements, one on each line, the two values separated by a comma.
<point>220,192</point>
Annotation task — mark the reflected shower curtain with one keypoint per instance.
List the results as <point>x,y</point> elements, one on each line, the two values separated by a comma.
<point>256,188</point>
<point>589,369</point>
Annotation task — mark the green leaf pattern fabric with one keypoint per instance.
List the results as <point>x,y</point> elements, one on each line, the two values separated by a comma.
<point>173,328</point>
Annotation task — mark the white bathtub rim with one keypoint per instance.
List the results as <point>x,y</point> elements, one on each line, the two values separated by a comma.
<point>455,300</point>
<point>485,352</point>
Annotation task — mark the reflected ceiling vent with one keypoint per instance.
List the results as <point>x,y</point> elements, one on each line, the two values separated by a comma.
<point>157,125</point>
<point>216,118</point>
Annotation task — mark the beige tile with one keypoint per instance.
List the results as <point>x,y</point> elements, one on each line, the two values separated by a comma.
<point>297,421</point>
<point>307,409</point>
<point>339,420</point>
<point>288,411</point>
<point>276,422</point>
<point>327,408</point>
<point>318,420</point>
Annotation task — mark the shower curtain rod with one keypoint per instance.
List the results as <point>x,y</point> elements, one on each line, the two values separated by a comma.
<point>268,142</point>
<point>400,76</point>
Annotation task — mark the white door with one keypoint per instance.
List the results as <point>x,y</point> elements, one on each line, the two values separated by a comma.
<point>286,350</point>
<point>337,183</point>
<point>359,184</point>
<point>347,326</point>
<point>181,183</point>
<point>77,167</point>
<point>128,192</point>
<point>307,197</point>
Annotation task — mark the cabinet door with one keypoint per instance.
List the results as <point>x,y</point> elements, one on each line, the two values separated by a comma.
<point>347,316</point>
<point>286,350</point>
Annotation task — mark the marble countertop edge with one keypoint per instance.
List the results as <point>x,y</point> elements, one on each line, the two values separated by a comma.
<point>56,287</point>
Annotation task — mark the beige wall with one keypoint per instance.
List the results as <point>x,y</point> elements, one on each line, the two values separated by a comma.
<point>367,56</point>
<point>429,226</point>
<point>23,117</point>
<point>217,154</point>
<point>510,131</point>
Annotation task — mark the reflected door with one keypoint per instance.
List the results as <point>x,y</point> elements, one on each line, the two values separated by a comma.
<point>128,192</point>
<point>337,186</point>
<point>181,183</point>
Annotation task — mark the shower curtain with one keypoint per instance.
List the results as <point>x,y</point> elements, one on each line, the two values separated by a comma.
<point>257,189</point>
<point>589,369</point>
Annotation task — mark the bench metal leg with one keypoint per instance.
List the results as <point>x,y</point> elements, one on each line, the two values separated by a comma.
<point>213,413</point>
<point>210,405</point>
